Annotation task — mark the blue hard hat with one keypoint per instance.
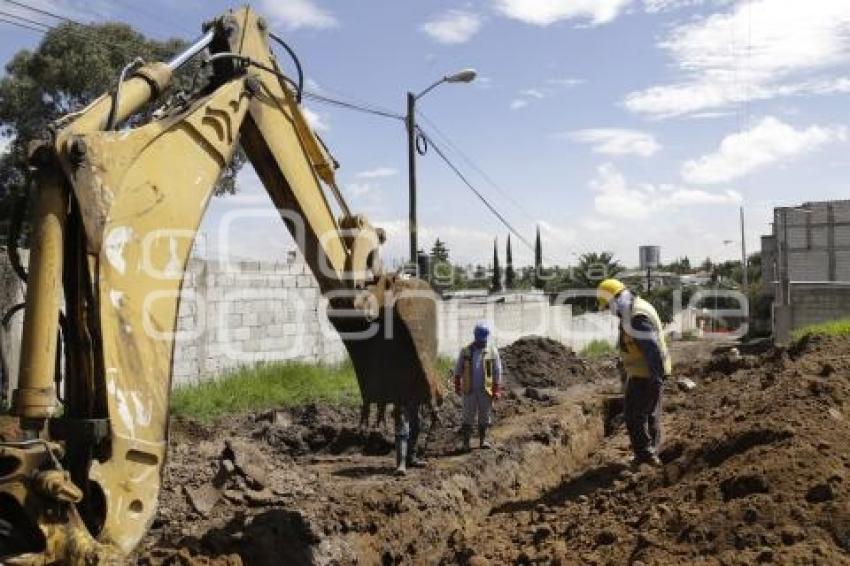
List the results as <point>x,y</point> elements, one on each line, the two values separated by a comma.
<point>481,332</point>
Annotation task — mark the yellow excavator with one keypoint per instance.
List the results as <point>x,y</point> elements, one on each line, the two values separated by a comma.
<point>117,209</point>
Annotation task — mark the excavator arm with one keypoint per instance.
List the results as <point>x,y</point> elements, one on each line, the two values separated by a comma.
<point>117,212</point>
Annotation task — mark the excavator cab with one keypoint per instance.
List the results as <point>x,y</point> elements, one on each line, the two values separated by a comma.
<point>116,213</point>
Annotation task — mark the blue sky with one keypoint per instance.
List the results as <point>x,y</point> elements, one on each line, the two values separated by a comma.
<point>610,123</point>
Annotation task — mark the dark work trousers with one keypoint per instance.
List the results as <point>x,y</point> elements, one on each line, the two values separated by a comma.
<point>642,413</point>
<point>406,419</point>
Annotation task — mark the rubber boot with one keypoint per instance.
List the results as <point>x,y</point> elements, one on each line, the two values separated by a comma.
<point>466,431</point>
<point>400,456</point>
<point>412,460</point>
<point>482,438</point>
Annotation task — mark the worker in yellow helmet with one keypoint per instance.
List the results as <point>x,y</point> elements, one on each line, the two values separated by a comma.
<point>647,364</point>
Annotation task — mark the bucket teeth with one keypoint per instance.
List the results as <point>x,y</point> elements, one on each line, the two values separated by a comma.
<point>394,353</point>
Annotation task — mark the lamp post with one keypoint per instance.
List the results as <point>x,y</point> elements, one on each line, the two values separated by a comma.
<point>464,76</point>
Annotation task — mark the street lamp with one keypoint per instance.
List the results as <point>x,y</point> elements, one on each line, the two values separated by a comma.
<point>463,76</point>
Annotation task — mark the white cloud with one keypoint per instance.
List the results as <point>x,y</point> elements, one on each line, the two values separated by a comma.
<point>377,173</point>
<point>616,198</point>
<point>568,82</point>
<point>454,26</point>
<point>616,141</point>
<point>528,95</point>
<point>532,93</point>
<point>5,143</point>
<point>769,141</point>
<point>756,50</point>
<point>655,6</point>
<point>317,120</point>
<point>547,12</point>
<point>518,103</point>
<point>296,14</point>
<point>360,190</point>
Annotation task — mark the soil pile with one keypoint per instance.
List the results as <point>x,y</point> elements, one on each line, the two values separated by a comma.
<point>535,361</point>
<point>756,470</point>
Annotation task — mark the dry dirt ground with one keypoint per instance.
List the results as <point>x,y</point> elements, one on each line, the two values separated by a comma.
<point>756,470</point>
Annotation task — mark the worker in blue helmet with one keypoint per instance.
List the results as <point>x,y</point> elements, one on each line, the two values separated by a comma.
<point>478,378</point>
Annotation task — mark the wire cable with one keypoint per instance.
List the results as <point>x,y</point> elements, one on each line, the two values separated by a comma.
<point>477,193</point>
<point>295,60</point>
<point>25,26</point>
<point>352,106</point>
<point>468,160</point>
<point>42,12</point>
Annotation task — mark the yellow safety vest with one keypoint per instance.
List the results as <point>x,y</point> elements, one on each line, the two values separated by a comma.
<point>466,373</point>
<point>634,361</point>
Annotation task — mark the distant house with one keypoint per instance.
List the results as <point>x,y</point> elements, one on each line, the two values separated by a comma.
<point>637,279</point>
<point>806,264</point>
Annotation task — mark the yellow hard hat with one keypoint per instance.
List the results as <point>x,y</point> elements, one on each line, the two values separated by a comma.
<point>607,290</point>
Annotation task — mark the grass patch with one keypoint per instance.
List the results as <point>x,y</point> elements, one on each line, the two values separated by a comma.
<point>689,336</point>
<point>266,386</point>
<point>598,348</point>
<point>832,328</point>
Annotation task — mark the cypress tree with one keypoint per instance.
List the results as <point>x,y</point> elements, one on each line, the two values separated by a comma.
<point>496,284</point>
<point>538,262</point>
<point>510,276</point>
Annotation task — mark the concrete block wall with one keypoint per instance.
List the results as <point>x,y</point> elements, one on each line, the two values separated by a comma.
<point>240,313</point>
<point>235,314</point>
<point>11,294</point>
<point>513,317</point>
<point>812,304</point>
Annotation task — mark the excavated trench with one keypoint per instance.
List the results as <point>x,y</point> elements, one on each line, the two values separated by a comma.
<point>336,504</point>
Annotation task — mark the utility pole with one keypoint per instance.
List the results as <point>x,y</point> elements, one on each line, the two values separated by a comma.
<point>464,76</point>
<point>411,174</point>
<point>744,271</point>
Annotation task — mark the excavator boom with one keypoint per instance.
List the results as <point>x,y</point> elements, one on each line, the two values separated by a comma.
<point>117,212</point>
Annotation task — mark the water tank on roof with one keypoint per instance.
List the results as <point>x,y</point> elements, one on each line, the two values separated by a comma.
<point>650,256</point>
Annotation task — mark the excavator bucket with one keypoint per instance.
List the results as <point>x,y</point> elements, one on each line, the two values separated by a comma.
<point>393,344</point>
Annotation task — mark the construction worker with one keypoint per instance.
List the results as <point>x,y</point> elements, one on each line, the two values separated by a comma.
<point>478,377</point>
<point>646,362</point>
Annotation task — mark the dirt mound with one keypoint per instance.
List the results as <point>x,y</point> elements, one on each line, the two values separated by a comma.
<point>534,361</point>
<point>756,469</point>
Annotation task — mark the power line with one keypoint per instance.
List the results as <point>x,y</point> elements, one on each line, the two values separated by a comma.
<point>477,193</point>
<point>352,106</point>
<point>468,160</point>
<point>41,11</point>
<point>27,20</point>
<point>21,25</point>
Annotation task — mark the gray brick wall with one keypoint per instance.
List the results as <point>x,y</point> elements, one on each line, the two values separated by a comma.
<point>239,313</point>
<point>812,304</point>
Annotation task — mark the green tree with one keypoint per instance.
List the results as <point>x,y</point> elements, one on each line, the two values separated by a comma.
<point>680,265</point>
<point>539,282</point>
<point>496,283</point>
<point>593,267</point>
<point>442,274</point>
<point>72,66</point>
<point>510,275</point>
<point>439,251</point>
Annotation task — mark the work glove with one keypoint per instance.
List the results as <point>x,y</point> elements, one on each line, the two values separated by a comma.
<point>497,392</point>
<point>457,385</point>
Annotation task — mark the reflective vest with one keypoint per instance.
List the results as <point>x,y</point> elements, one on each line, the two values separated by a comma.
<point>466,373</point>
<point>634,361</point>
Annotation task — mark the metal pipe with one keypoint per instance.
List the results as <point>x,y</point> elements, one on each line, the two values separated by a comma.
<point>35,397</point>
<point>197,46</point>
